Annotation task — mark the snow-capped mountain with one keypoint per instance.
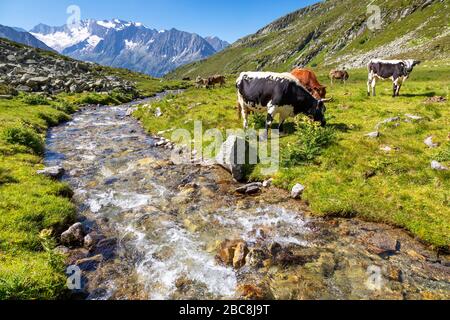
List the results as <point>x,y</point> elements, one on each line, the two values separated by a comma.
<point>128,45</point>
<point>17,35</point>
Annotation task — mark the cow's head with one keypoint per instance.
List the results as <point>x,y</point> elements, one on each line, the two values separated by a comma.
<point>318,112</point>
<point>319,92</point>
<point>410,64</point>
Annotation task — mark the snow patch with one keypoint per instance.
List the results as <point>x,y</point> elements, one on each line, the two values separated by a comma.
<point>107,24</point>
<point>62,40</point>
<point>130,45</point>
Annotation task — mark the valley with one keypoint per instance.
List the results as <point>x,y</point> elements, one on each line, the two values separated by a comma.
<point>90,121</point>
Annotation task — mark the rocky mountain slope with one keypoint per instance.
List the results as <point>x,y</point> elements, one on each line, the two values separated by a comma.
<point>29,69</point>
<point>128,45</point>
<point>217,43</point>
<point>337,33</point>
<point>21,36</point>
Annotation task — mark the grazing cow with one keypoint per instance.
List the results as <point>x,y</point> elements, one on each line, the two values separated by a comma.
<point>200,82</point>
<point>186,79</point>
<point>309,80</point>
<point>339,75</point>
<point>216,79</point>
<point>276,93</point>
<point>397,70</point>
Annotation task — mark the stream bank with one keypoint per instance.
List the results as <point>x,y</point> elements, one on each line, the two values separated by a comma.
<point>163,229</point>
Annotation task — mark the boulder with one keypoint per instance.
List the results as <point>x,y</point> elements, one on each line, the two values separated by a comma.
<point>251,188</point>
<point>255,258</point>
<point>158,113</point>
<point>55,172</point>
<point>237,156</point>
<point>435,165</point>
<point>413,117</point>
<point>89,264</point>
<point>37,81</point>
<point>233,253</point>
<point>23,88</point>
<point>297,191</point>
<point>373,135</point>
<point>240,253</point>
<point>106,248</point>
<point>74,236</point>
<point>429,142</point>
<point>386,121</point>
<point>92,239</point>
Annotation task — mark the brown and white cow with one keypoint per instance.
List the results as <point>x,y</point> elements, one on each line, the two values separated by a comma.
<point>309,80</point>
<point>217,79</point>
<point>339,75</point>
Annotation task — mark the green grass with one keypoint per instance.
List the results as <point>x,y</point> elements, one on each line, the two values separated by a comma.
<point>30,203</point>
<point>352,176</point>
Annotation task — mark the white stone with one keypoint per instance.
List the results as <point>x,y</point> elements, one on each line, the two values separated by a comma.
<point>297,191</point>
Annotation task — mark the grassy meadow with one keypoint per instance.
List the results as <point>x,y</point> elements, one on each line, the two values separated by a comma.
<point>352,175</point>
<point>30,203</point>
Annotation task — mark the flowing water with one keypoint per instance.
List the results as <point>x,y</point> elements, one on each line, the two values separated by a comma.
<point>168,222</point>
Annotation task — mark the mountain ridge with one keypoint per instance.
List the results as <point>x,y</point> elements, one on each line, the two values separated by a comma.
<point>23,37</point>
<point>335,33</point>
<point>131,45</point>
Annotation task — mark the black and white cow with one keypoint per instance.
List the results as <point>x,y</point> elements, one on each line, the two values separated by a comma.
<point>276,93</point>
<point>397,70</point>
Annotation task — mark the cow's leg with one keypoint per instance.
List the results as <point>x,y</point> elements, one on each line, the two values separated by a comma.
<point>395,88</point>
<point>281,125</point>
<point>245,117</point>
<point>271,111</point>
<point>374,85</point>
<point>399,86</point>
<point>369,85</point>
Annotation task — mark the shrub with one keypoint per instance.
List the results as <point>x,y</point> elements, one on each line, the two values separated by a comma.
<point>24,137</point>
<point>7,90</point>
<point>311,138</point>
<point>257,121</point>
<point>35,100</point>
<point>443,154</point>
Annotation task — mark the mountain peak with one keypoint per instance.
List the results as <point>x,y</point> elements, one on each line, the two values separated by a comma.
<point>132,45</point>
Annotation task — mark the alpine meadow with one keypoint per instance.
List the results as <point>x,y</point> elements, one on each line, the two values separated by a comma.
<point>120,150</point>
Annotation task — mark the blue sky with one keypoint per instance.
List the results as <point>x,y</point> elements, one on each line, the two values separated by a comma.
<point>228,19</point>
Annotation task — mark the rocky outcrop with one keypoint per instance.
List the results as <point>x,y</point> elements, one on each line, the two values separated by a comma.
<point>235,156</point>
<point>30,70</point>
<point>74,236</point>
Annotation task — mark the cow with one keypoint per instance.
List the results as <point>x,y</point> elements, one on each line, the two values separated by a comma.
<point>276,93</point>
<point>200,82</point>
<point>216,79</point>
<point>339,75</point>
<point>309,80</point>
<point>397,70</point>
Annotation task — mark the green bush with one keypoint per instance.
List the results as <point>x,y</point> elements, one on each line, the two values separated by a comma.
<point>257,121</point>
<point>35,100</point>
<point>443,154</point>
<point>7,90</point>
<point>24,137</point>
<point>311,138</point>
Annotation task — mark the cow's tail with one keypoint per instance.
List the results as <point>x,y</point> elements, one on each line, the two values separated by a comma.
<point>239,110</point>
